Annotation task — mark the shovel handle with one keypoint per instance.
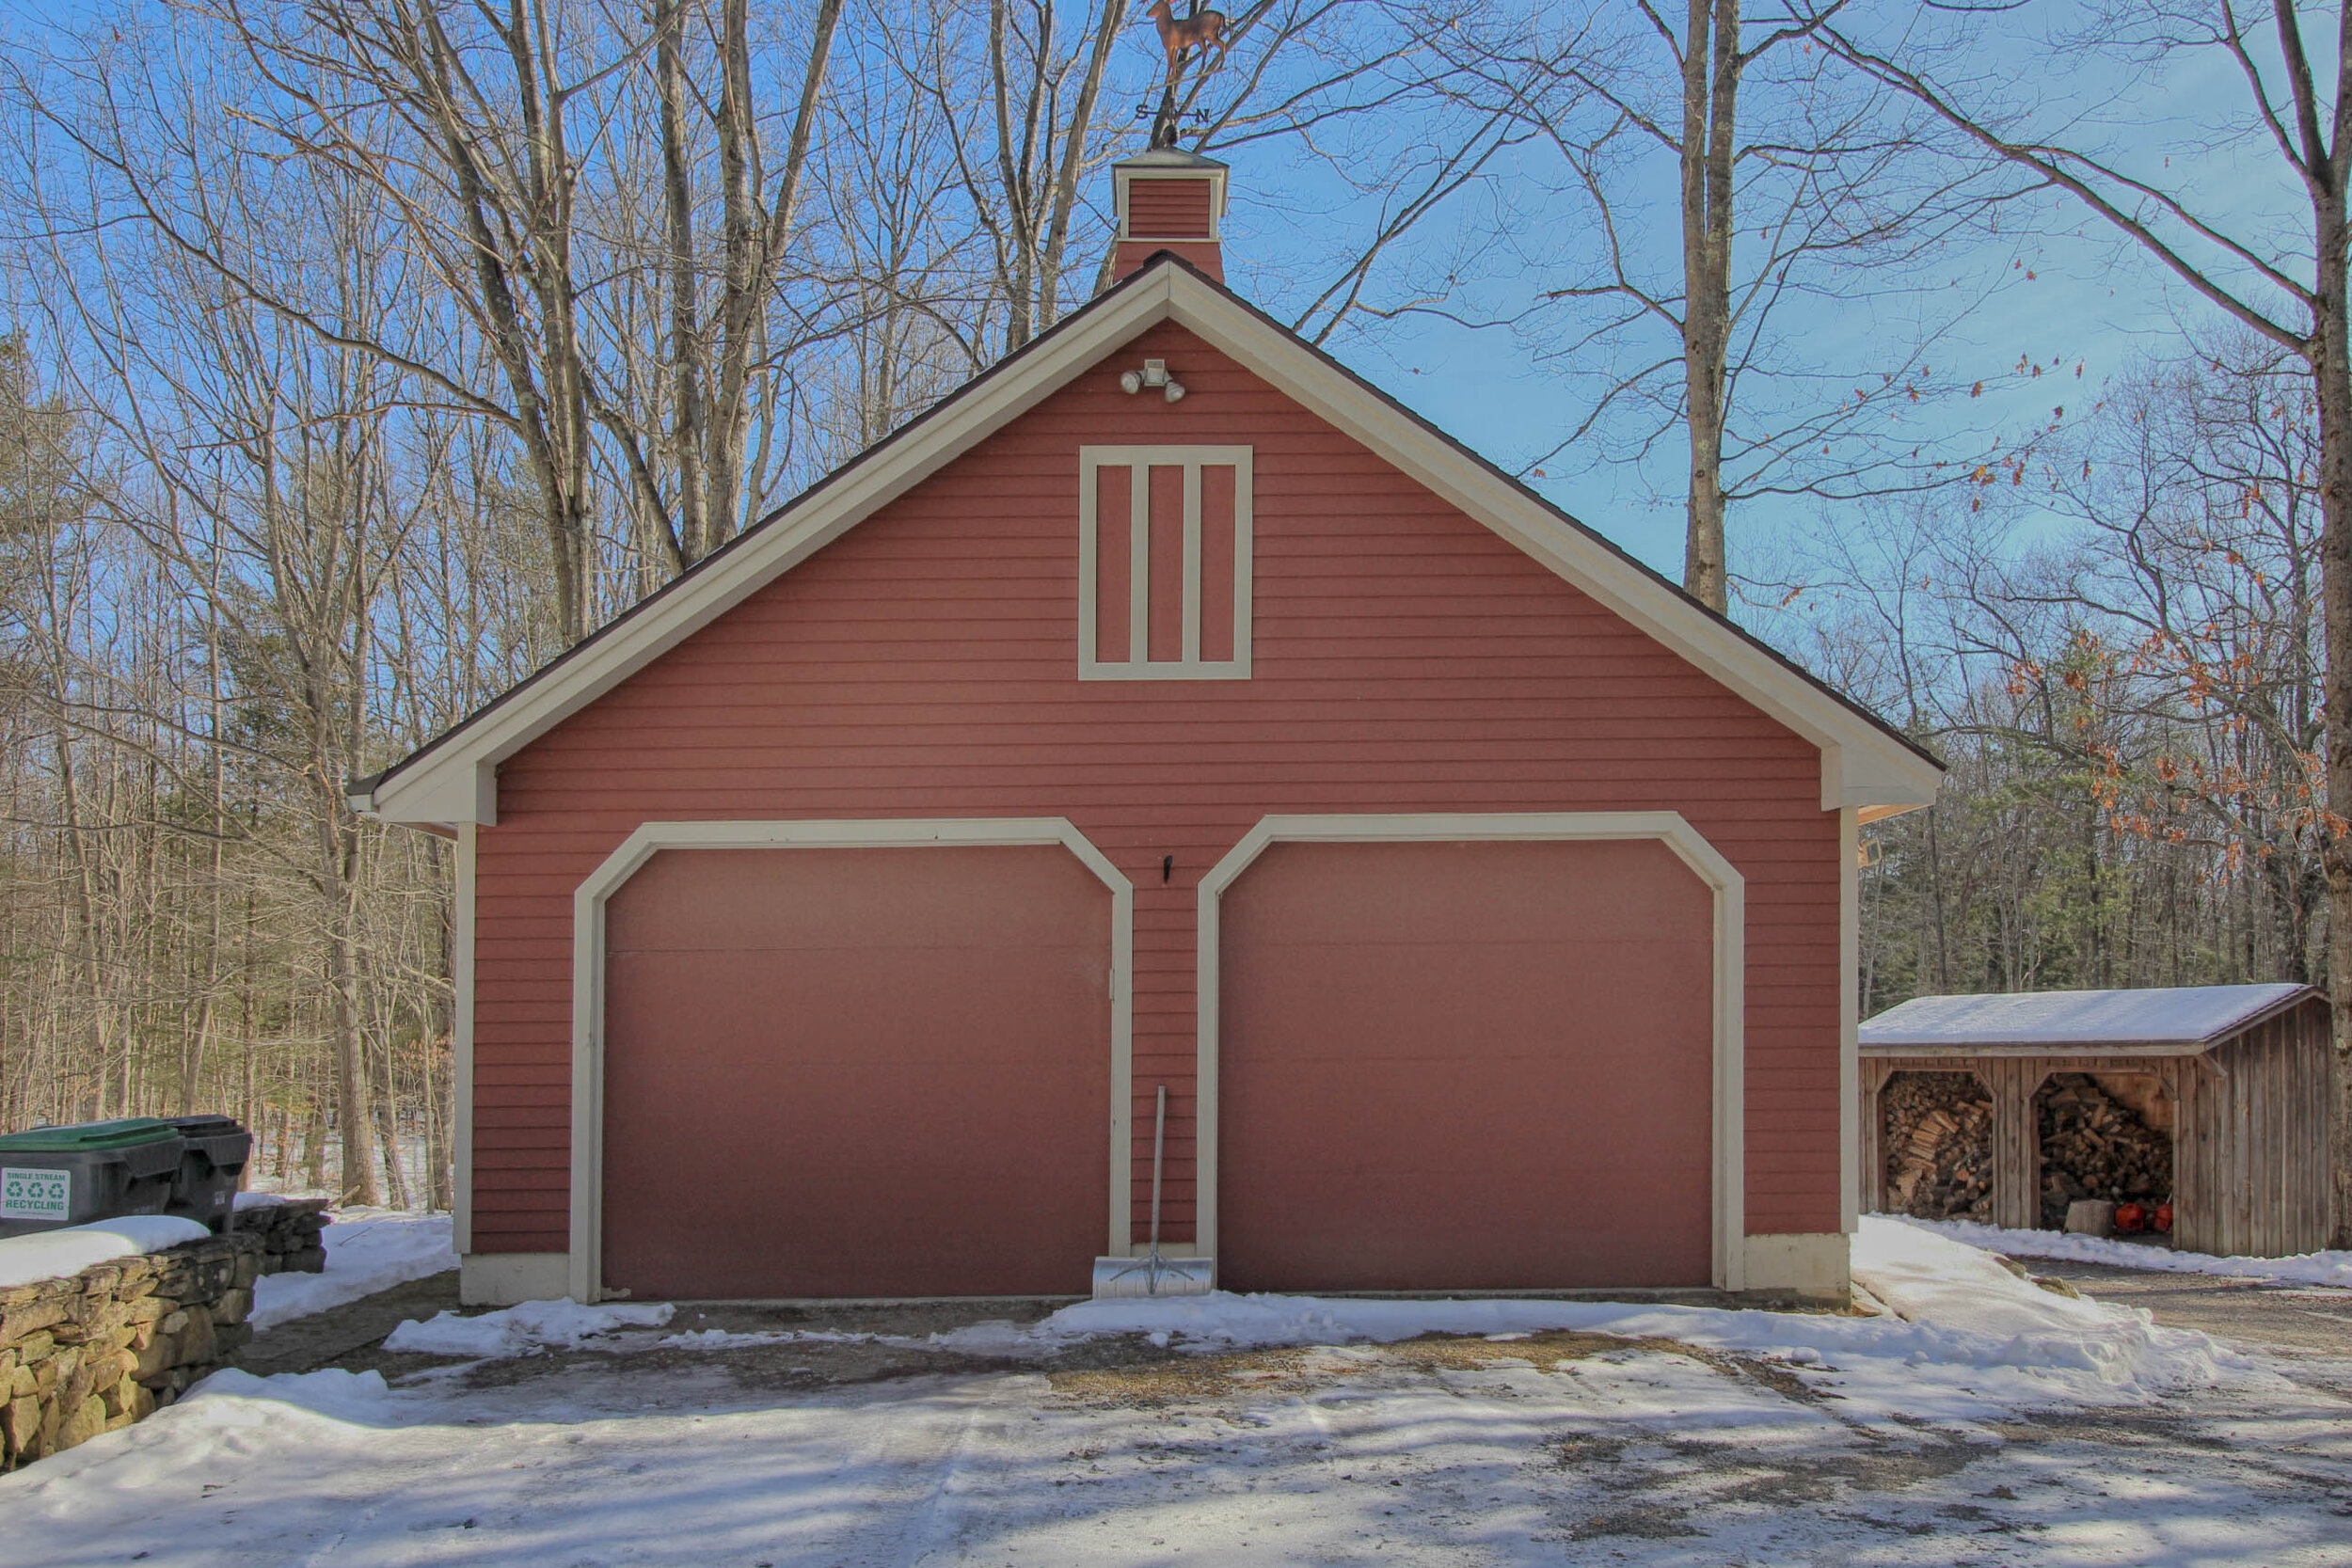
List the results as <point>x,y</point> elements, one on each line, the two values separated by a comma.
<point>1159,1140</point>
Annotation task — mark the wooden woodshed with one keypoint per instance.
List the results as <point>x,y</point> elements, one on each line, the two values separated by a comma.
<point>2236,1074</point>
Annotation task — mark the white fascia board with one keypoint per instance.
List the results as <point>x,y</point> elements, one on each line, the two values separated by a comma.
<point>458,783</point>
<point>1861,766</point>
<point>437,795</point>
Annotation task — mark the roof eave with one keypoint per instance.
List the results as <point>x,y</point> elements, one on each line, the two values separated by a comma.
<point>1947,1051</point>
<point>1867,764</point>
<point>452,777</point>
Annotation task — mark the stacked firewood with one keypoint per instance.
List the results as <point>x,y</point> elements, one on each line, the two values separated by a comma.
<point>1938,1140</point>
<point>2094,1146</point>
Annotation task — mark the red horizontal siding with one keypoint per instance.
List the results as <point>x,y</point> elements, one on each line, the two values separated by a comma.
<point>1168,209</point>
<point>1404,660</point>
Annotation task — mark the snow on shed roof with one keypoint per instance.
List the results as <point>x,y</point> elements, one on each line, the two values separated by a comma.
<point>2183,1017</point>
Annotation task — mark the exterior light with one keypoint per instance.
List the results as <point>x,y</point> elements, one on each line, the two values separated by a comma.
<point>1155,374</point>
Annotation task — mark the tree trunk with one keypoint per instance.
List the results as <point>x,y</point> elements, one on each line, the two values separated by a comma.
<point>440,1089</point>
<point>314,1152</point>
<point>2331,373</point>
<point>356,1174</point>
<point>1710,89</point>
<point>689,433</point>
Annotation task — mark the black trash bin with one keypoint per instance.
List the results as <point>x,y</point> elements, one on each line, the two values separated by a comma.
<point>211,1162</point>
<point>53,1177</point>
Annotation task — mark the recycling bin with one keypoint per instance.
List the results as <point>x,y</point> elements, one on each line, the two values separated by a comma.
<point>212,1164</point>
<point>53,1177</point>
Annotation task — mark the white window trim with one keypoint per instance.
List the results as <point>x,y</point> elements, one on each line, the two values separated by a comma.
<point>1139,461</point>
<point>586,1263</point>
<point>1669,828</point>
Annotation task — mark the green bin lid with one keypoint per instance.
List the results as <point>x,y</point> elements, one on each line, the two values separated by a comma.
<point>129,1132</point>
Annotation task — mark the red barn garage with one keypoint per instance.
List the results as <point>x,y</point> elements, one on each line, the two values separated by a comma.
<point>1166,708</point>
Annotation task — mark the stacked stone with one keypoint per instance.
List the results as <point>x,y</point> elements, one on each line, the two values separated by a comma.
<point>289,1233</point>
<point>108,1346</point>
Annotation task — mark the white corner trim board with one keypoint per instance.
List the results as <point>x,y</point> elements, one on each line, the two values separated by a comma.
<point>1668,828</point>
<point>1850,1176</point>
<point>461,963</point>
<point>585,1266</point>
<point>504,1278</point>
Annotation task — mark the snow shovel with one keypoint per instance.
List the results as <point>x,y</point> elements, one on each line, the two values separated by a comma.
<point>1152,1274</point>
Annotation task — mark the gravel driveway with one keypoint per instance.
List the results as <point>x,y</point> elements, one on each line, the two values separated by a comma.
<point>835,1446</point>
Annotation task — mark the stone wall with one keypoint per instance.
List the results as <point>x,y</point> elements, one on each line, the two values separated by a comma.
<point>289,1231</point>
<point>120,1340</point>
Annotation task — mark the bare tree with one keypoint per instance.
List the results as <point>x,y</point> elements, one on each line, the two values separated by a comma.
<point>716,348</point>
<point>2284,283</point>
<point>1793,186</point>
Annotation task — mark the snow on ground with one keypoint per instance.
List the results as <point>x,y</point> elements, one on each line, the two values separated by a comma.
<point>2310,1268</point>
<point>1643,1455</point>
<point>720,1338</point>
<point>1714,1437</point>
<point>263,1177</point>
<point>53,1254</point>
<point>367,1250</point>
<point>1968,1340</point>
<point>524,1330</point>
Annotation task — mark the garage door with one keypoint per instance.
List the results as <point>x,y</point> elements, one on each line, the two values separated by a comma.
<point>1468,1066</point>
<point>856,1073</point>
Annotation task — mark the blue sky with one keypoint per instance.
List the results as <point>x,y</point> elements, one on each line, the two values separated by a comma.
<point>2089,300</point>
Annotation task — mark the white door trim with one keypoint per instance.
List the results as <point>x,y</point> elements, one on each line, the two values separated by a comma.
<point>588,901</point>
<point>1667,827</point>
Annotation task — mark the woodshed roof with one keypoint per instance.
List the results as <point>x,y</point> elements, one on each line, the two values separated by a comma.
<point>2179,1019</point>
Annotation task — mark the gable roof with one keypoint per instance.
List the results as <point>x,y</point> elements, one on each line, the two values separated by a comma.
<point>2176,1019</point>
<point>1866,762</point>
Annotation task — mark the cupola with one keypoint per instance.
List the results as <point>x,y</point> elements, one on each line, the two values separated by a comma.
<point>1168,199</point>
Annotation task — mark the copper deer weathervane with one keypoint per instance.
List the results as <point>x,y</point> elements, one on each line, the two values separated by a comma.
<point>1196,34</point>
<point>1201,30</point>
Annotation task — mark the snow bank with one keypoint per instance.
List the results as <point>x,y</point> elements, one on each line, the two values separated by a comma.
<point>53,1254</point>
<point>524,1330</point>
<point>367,1250</point>
<point>1968,1338</point>
<point>1932,1279</point>
<point>363,1399</point>
<point>2310,1268</point>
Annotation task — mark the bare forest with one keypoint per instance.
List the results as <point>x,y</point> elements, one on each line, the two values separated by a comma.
<point>361,355</point>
